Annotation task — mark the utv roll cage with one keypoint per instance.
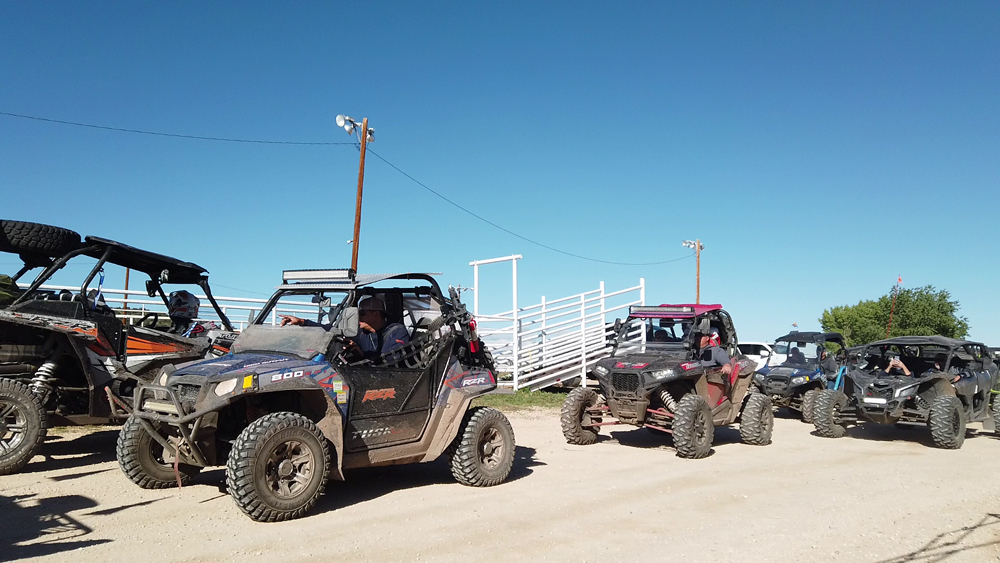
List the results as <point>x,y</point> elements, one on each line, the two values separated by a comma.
<point>160,269</point>
<point>918,353</point>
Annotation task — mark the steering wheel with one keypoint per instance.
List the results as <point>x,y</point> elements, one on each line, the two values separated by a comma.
<point>154,315</point>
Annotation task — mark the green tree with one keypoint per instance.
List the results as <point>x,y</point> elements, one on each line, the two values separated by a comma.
<point>919,312</point>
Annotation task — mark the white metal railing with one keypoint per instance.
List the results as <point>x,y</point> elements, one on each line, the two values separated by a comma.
<point>552,341</point>
<point>131,305</point>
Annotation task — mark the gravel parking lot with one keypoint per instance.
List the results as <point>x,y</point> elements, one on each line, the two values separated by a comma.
<point>880,495</point>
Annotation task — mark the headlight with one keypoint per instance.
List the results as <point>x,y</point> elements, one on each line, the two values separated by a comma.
<point>907,391</point>
<point>758,378</point>
<point>226,387</point>
<point>162,380</point>
<point>599,370</point>
<point>800,380</point>
<point>662,373</point>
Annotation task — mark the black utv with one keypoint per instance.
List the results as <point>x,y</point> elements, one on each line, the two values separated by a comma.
<point>656,379</point>
<point>67,357</point>
<point>914,380</point>
<point>294,405</point>
<point>796,382</point>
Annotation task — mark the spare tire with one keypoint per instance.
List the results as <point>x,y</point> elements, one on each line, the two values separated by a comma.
<point>35,238</point>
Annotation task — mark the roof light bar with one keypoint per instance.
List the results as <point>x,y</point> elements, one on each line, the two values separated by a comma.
<point>345,274</point>
<point>671,309</point>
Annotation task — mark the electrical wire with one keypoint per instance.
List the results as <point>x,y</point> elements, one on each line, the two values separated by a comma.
<point>380,157</point>
<point>174,135</point>
<point>522,237</point>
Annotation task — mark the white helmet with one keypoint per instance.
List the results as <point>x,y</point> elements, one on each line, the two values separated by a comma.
<point>182,305</point>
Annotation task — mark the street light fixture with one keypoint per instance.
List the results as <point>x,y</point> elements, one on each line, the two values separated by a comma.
<point>697,247</point>
<point>367,136</point>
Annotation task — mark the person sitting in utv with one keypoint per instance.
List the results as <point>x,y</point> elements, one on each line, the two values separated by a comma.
<point>795,356</point>
<point>827,364</point>
<point>376,337</point>
<point>897,367</point>
<point>711,354</point>
<point>182,307</point>
<point>939,362</point>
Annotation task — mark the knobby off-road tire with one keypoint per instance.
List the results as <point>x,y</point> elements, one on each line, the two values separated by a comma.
<point>36,238</point>
<point>996,415</point>
<point>143,461</point>
<point>693,428</point>
<point>809,405</point>
<point>947,422</point>
<point>757,420</point>
<point>826,414</point>
<point>482,454</point>
<point>571,418</point>
<point>278,467</point>
<point>23,425</point>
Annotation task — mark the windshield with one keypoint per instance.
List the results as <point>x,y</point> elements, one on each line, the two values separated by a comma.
<point>660,335</point>
<point>303,342</point>
<point>800,353</point>
<point>918,359</point>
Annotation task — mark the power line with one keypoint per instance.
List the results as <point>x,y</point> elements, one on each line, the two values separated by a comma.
<point>522,237</point>
<point>174,135</point>
<point>380,157</point>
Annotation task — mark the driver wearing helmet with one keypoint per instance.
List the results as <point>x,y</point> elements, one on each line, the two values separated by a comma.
<point>711,354</point>
<point>182,306</point>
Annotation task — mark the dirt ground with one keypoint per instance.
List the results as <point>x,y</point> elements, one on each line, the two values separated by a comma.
<point>881,494</point>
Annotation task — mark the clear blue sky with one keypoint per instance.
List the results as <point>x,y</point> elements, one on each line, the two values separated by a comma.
<point>819,150</point>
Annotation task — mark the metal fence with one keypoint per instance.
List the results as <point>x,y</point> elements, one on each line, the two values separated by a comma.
<point>559,340</point>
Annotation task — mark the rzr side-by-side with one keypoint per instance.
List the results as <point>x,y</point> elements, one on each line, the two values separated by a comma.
<point>294,405</point>
<point>65,356</point>
<point>941,382</point>
<point>660,382</point>
<point>796,382</point>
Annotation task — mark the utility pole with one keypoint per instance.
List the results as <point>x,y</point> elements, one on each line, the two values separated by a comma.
<point>366,136</point>
<point>698,247</point>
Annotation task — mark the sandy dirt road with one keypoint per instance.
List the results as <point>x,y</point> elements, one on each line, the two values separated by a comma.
<point>880,495</point>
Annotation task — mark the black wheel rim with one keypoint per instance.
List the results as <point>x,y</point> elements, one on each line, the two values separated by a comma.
<point>491,448</point>
<point>290,468</point>
<point>700,432</point>
<point>12,426</point>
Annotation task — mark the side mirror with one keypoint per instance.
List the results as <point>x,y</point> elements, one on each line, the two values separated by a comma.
<point>618,325</point>
<point>151,288</point>
<point>348,323</point>
<point>765,354</point>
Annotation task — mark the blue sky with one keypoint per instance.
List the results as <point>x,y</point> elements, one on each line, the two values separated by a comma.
<point>819,150</point>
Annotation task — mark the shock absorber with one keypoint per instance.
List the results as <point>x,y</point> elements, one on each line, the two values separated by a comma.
<point>668,400</point>
<point>44,381</point>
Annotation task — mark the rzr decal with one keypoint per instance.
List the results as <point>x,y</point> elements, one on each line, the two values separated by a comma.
<point>372,432</point>
<point>378,394</point>
<point>473,381</point>
<point>687,366</point>
<point>467,379</point>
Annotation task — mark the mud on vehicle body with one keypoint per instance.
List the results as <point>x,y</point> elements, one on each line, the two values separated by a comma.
<point>292,406</point>
<point>796,382</point>
<point>658,382</point>
<point>65,356</point>
<point>945,398</point>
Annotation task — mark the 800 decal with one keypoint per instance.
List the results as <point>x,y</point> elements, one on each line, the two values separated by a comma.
<point>287,375</point>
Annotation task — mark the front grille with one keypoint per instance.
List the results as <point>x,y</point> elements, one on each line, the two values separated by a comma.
<point>625,382</point>
<point>187,395</point>
<point>885,393</point>
<point>776,384</point>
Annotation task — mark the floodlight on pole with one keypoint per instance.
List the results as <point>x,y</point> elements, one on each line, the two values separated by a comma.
<point>697,247</point>
<point>367,136</point>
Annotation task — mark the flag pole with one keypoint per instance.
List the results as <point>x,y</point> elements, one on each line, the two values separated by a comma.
<point>895,291</point>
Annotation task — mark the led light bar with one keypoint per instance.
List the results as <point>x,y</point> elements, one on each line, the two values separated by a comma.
<point>345,274</point>
<point>636,310</point>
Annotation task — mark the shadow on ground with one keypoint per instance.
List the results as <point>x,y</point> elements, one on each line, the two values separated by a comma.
<point>948,544</point>
<point>75,451</point>
<point>367,484</point>
<point>30,528</point>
